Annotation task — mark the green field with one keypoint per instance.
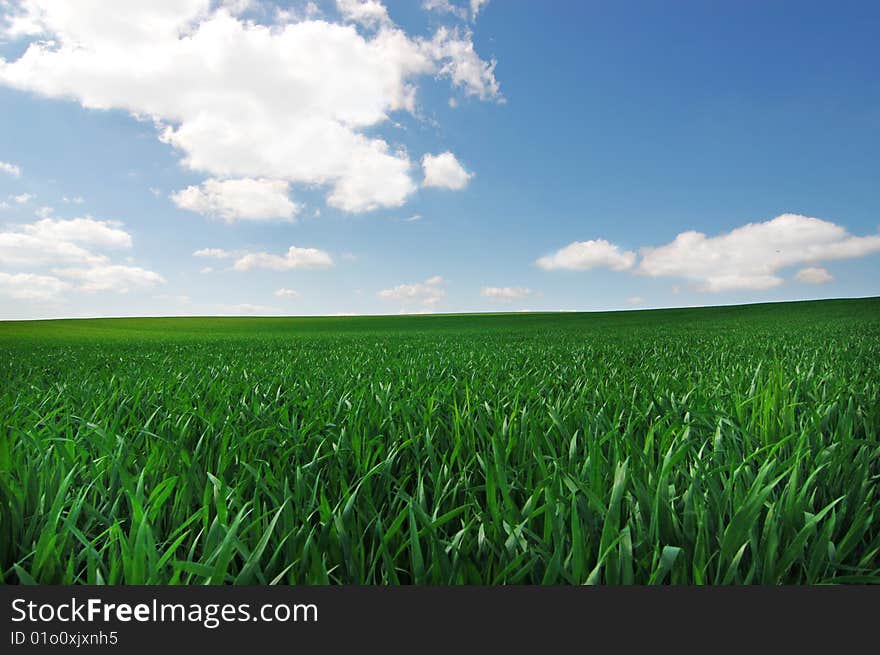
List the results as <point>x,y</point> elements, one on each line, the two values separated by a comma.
<point>710,446</point>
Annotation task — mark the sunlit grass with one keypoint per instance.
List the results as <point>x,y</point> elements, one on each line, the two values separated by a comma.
<point>714,446</point>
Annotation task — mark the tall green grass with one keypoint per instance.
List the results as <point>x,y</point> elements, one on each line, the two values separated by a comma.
<point>712,446</point>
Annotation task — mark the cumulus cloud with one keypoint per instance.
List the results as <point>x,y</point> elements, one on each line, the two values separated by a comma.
<point>22,198</point>
<point>28,286</point>
<point>750,257</point>
<point>216,253</point>
<point>584,255</point>
<point>445,7</point>
<point>10,169</point>
<point>287,293</point>
<point>427,293</point>
<point>477,7</point>
<point>813,275</point>
<point>20,249</point>
<point>505,294</point>
<point>68,247</point>
<point>445,172</point>
<point>112,277</point>
<point>299,102</point>
<point>294,258</point>
<point>369,13</point>
<point>462,65</point>
<point>242,199</point>
<point>85,230</point>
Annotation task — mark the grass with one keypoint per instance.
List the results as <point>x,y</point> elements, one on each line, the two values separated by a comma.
<point>730,445</point>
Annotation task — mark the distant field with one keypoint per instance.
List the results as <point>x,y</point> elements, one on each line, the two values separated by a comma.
<point>709,446</point>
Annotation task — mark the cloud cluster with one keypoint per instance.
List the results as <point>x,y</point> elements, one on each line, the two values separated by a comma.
<point>813,275</point>
<point>444,171</point>
<point>505,294</point>
<point>215,253</point>
<point>748,257</point>
<point>584,255</point>
<point>751,256</point>
<point>427,293</point>
<point>28,286</point>
<point>296,101</point>
<point>111,277</point>
<point>477,7</point>
<point>294,258</point>
<point>86,230</point>
<point>462,65</point>
<point>10,169</point>
<point>445,7</point>
<point>74,252</point>
<point>243,199</point>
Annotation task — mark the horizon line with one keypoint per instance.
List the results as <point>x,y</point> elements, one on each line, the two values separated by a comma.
<point>441,314</point>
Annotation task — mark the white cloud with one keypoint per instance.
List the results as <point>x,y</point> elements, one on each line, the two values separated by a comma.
<point>85,230</point>
<point>27,286</point>
<point>584,255</point>
<point>750,257</point>
<point>240,99</point>
<point>477,7</point>
<point>635,300</point>
<point>238,6</point>
<point>463,66</point>
<point>813,275</point>
<point>76,200</point>
<point>369,13</point>
<point>23,198</point>
<point>206,269</point>
<point>294,258</point>
<point>445,7</point>
<point>242,199</point>
<point>445,172</point>
<point>414,218</point>
<point>427,293</point>
<point>111,277</point>
<point>21,249</point>
<point>215,253</point>
<point>61,244</point>
<point>505,294</point>
<point>292,15</point>
<point>287,293</point>
<point>10,169</point>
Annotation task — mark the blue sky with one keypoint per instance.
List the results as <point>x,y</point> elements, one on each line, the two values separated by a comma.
<point>416,157</point>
